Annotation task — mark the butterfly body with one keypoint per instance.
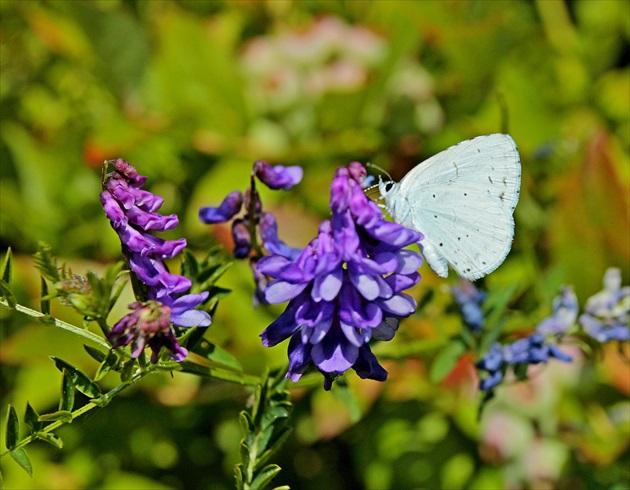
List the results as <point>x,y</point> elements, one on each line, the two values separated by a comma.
<point>462,200</point>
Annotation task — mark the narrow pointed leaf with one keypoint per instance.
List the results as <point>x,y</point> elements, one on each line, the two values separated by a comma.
<point>21,458</point>
<point>216,354</point>
<point>107,365</point>
<point>44,302</point>
<point>12,433</point>
<point>244,455</point>
<point>265,476</point>
<point>7,294</point>
<point>246,423</point>
<point>63,415</point>
<point>238,476</point>
<point>66,402</point>
<point>31,417</point>
<point>51,439</point>
<point>95,353</point>
<point>279,440</point>
<point>81,381</point>
<point>7,266</point>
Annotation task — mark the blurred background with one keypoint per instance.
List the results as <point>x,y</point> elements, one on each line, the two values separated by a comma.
<point>192,93</point>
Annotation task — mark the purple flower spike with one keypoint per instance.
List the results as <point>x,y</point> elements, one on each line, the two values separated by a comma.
<point>278,176</point>
<point>132,212</point>
<point>229,208</point>
<point>565,312</point>
<point>344,288</point>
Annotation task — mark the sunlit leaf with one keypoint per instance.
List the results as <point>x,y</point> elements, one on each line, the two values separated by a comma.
<point>20,457</point>
<point>81,381</point>
<point>265,476</point>
<point>31,417</point>
<point>66,402</point>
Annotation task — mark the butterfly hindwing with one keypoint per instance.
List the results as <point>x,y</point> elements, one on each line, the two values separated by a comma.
<point>462,200</point>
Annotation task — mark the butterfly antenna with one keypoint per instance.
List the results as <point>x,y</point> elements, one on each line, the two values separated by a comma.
<point>379,168</point>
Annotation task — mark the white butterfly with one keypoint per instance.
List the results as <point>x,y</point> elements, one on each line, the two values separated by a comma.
<point>462,201</point>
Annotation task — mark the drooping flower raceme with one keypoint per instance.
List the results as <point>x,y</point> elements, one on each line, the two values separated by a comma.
<point>133,214</point>
<point>345,288</point>
<point>534,349</point>
<point>255,224</point>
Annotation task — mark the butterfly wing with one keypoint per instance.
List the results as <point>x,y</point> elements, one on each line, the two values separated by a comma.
<point>462,200</point>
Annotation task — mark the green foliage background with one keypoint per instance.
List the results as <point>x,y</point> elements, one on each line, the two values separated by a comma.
<point>192,93</point>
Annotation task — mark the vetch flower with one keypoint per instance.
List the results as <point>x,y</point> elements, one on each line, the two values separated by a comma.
<point>133,214</point>
<point>148,325</point>
<point>255,231</point>
<point>345,287</point>
<point>607,313</point>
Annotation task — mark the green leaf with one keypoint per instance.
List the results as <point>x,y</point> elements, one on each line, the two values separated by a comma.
<point>217,355</point>
<point>46,263</point>
<point>7,266</point>
<point>50,438</point>
<point>7,294</point>
<point>127,371</point>
<point>44,301</point>
<point>278,441</point>
<point>62,415</point>
<point>446,360</point>
<point>265,476</point>
<point>66,402</point>
<point>21,458</point>
<point>246,423</point>
<point>95,353</point>
<point>31,417</point>
<point>244,454</point>
<point>238,476</point>
<point>12,434</point>
<point>109,363</point>
<point>81,381</point>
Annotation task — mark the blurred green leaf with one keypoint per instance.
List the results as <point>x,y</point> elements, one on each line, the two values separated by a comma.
<point>446,360</point>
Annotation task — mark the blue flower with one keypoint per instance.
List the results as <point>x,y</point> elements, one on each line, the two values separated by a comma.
<point>133,214</point>
<point>344,288</point>
<point>565,312</point>
<point>469,299</point>
<point>607,313</point>
<point>533,349</point>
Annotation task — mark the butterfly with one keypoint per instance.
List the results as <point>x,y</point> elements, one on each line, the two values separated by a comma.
<point>462,200</point>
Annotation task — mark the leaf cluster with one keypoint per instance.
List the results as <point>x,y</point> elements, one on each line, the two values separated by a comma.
<point>264,431</point>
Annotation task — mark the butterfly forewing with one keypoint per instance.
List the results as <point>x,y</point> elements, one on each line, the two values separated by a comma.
<point>462,200</point>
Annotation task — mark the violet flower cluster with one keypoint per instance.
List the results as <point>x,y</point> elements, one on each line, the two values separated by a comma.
<point>345,288</point>
<point>133,214</point>
<point>255,224</point>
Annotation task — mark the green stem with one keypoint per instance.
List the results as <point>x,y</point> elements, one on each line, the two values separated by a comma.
<point>60,324</point>
<point>210,372</point>
<point>77,413</point>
